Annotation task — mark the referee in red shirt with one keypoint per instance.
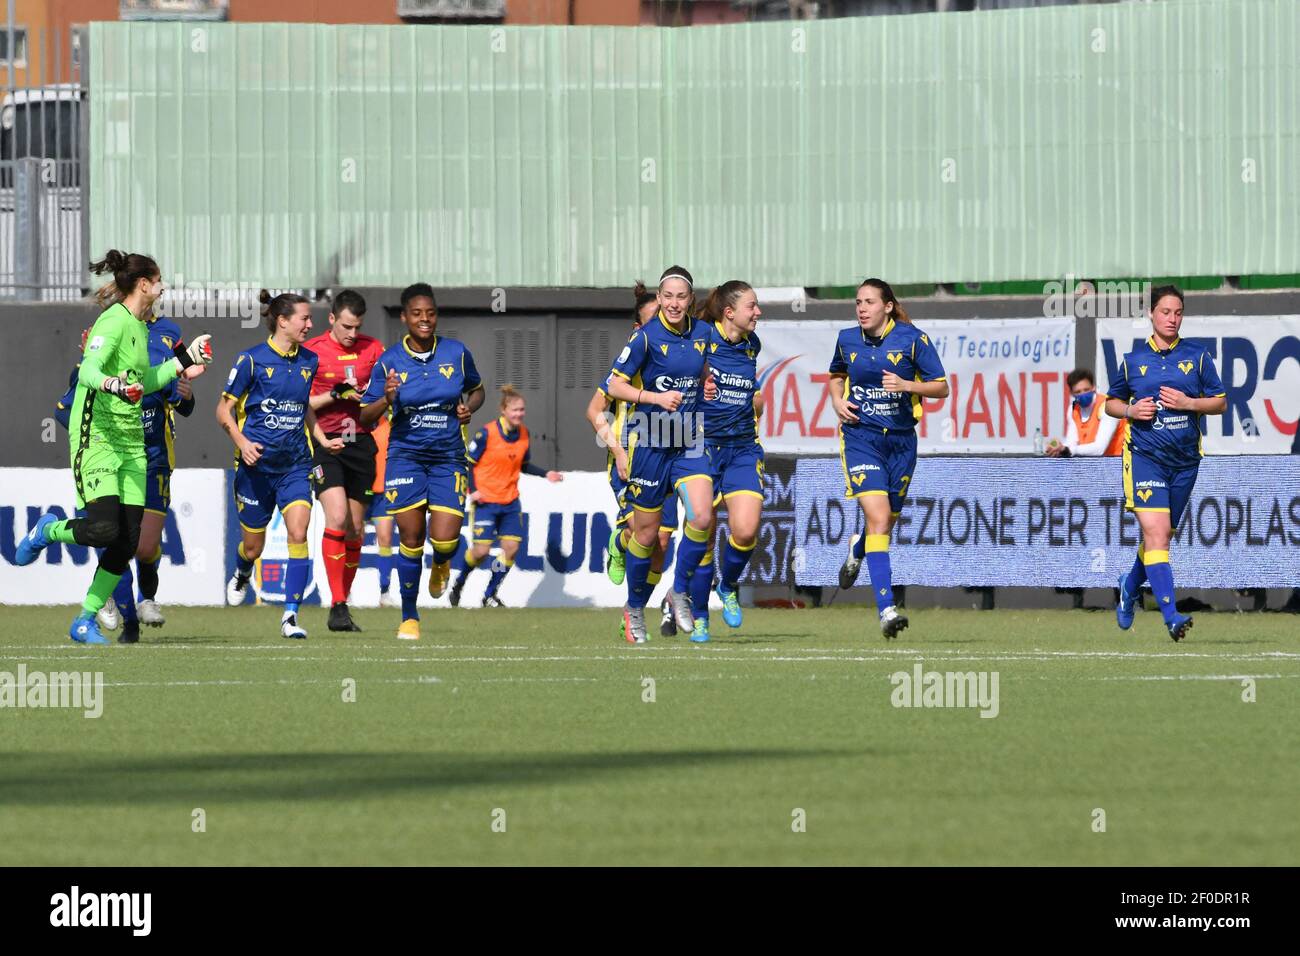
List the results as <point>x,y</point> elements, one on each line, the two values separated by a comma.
<point>343,480</point>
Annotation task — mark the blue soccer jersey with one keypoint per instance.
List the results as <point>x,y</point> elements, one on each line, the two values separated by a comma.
<point>666,360</point>
<point>271,389</point>
<point>902,349</point>
<point>424,423</point>
<point>156,408</point>
<point>1171,438</point>
<point>729,419</point>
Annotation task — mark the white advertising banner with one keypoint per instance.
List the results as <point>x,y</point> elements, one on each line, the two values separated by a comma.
<point>193,540</point>
<point>1258,358</point>
<point>1006,379</point>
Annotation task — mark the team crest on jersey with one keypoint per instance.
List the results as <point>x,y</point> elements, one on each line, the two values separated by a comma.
<point>167,341</point>
<point>1186,367</point>
<point>699,346</point>
<point>749,353</point>
<point>894,357</point>
<point>446,370</point>
<point>664,348</point>
<point>1145,494</point>
<point>853,356</point>
<point>1142,369</point>
<point>306,374</point>
<point>269,371</point>
<point>402,375</point>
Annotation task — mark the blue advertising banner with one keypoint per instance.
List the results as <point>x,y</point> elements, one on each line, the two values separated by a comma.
<point>1045,522</point>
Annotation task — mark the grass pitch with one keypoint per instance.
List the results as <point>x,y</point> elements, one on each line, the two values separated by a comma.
<point>541,714</point>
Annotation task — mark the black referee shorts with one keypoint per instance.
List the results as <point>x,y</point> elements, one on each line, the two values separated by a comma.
<point>352,469</point>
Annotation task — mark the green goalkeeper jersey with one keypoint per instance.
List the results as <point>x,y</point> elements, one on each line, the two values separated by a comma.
<point>117,346</point>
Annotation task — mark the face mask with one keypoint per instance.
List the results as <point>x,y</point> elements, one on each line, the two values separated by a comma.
<point>1085,399</point>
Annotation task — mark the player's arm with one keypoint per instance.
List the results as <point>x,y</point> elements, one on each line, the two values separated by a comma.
<point>381,394</point>
<point>838,386</point>
<point>474,391</point>
<point>237,386</point>
<point>601,422</point>
<point>930,381</point>
<point>1119,400</point>
<point>1213,399</point>
<point>331,445</point>
<point>759,402</point>
<point>537,471</point>
<point>187,360</point>
<point>104,339</point>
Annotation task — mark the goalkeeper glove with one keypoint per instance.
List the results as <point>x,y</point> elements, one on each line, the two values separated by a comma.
<point>198,352</point>
<point>131,392</point>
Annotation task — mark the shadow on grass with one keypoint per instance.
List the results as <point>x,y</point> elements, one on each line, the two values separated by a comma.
<point>45,779</point>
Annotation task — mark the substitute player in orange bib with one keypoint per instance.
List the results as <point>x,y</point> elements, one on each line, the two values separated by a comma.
<point>498,454</point>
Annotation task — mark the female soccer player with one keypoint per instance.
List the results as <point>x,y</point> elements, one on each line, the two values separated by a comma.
<point>497,455</point>
<point>158,417</point>
<point>880,371</point>
<point>269,389</point>
<point>1163,389</point>
<point>609,430</point>
<point>346,359</point>
<point>432,388</point>
<point>109,460</point>
<point>731,443</point>
<point>665,442</point>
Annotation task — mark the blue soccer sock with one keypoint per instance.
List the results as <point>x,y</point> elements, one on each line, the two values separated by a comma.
<point>1161,576</point>
<point>652,580</point>
<point>500,568</point>
<point>297,576</point>
<point>385,565</point>
<point>701,585</point>
<point>638,571</point>
<point>734,561</point>
<point>621,538</point>
<point>689,554</point>
<point>444,551</point>
<point>1137,575</point>
<point>242,564</point>
<point>877,553</point>
<point>860,547</point>
<point>124,595</point>
<point>410,564</point>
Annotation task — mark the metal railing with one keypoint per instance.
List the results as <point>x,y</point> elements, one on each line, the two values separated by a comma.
<point>44,162</point>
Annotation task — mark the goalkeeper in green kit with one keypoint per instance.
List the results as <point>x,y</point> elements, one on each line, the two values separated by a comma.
<point>106,433</point>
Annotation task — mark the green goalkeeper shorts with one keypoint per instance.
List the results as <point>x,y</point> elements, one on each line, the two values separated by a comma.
<point>100,472</point>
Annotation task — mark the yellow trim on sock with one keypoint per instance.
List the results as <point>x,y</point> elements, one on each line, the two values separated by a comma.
<point>1142,550</point>
<point>654,577</point>
<point>641,551</point>
<point>696,534</point>
<point>732,541</point>
<point>877,542</point>
<point>1155,557</point>
<point>445,547</point>
<point>411,552</point>
<point>386,552</point>
<point>157,555</point>
<point>507,564</point>
<point>298,550</point>
<point>707,559</point>
<point>239,550</point>
<point>471,560</point>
